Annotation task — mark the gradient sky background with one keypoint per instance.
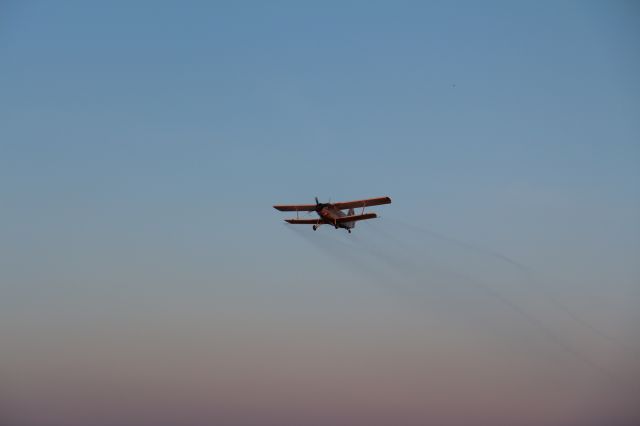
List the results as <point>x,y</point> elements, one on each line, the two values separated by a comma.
<point>145,278</point>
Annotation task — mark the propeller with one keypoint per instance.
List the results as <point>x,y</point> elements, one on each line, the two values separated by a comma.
<point>319,205</point>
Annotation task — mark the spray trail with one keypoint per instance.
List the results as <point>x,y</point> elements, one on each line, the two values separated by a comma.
<point>357,253</point>
<point>529,282</point>
<point>530,318</point>
<point>372,265</point>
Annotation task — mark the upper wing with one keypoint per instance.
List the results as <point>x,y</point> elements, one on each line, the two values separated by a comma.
<point>363,203</point>
<point>296,208</point>
<point>356,217</point>
<point>302,221</point>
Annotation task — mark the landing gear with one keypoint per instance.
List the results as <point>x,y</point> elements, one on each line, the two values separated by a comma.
<point>315,227</point>
<point>349,230</point>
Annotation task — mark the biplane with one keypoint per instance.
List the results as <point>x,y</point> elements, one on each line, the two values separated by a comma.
<point>332,213</point>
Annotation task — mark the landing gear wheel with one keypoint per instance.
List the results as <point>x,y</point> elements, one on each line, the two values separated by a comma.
<point>349,230</point>
<point>315,227</point>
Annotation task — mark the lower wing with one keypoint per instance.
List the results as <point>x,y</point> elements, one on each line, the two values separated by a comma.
<point>302,221</point>
<point>356,218</point>
<point>296,208</point>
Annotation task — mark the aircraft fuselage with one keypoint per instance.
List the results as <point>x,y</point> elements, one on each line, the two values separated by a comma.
<point>330,213</point>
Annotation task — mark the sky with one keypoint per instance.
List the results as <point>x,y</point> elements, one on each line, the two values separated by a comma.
<point>146,279</point>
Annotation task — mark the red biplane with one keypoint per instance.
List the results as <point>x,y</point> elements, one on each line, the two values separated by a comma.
<point>332,214</point>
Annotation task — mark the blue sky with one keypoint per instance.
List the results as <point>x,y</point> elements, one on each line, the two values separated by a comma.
<point>142,145</point>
